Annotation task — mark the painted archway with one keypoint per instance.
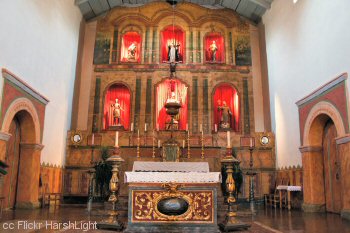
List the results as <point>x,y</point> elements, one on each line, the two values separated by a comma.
<point>319,182</point>
<point>21,186</point>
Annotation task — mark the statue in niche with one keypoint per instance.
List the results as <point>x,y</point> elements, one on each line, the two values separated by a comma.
<point>213,49</point>
<point>132,51</point>
<point>225,115</point>
<point>173,52</point>
<point>116,112</point>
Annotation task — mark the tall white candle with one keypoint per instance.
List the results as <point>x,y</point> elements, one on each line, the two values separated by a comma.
<point>200,128</point>
<point>216,128</point>
<point>158,143</point>
<point>183,143</point>
<point>228,139</point>
<point>251,142</point>
<point>157,126</point>
<point>117,139</point>
<point>186,126</point>
<point>93,139</point>
<point>132,126</point>
<point>145,127</point>
<point>138,133</point>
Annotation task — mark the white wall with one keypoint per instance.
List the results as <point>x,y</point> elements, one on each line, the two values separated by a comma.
<point>38,43</point>
<point>308,44</point>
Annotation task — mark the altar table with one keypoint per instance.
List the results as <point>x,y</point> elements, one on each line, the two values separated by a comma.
<point>172,193</point>
<point>288,189</point>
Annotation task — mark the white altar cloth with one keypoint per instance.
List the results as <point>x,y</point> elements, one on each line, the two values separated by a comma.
<point>174,177</point>
<point>289,188</point>
<point>140,166</point>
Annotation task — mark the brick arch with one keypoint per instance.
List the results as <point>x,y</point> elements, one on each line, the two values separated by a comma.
<point>22,104</point>
<point>315,122</point>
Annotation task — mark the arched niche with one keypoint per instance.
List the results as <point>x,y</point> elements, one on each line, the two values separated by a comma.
<point>121,92</point>
<point>163,92</point>
<point>226,94</point>
<point>130,48</point>
<point>172,35</point>
<point>214,48</point>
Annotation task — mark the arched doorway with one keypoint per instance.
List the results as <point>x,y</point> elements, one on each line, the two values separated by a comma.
<point>331,167</point>
<point>12,159</point>
<point>19,156</point>
<point>322,185</point>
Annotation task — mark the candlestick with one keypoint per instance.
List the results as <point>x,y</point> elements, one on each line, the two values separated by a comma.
<point>153,151</point>
<point>251,142</point>
<point>216,128</point>
<point>93,139</point>
<point>188,145</point>
<point>183,144</point>
<point>202,141</point>
<point>145,127</point>
<point>228,139</point>
<point>132,127</point>
<point>138,144</point>
<point>201,128</point>
<point>116,139</point>
<point>157,126</point>
<point>158,143</point>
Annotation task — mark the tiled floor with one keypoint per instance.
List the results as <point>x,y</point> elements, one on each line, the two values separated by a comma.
<point>266,220</point>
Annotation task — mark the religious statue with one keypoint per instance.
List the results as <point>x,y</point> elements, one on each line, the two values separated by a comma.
<point>173,52</point>
<point>213,48</point>
<point>116,112</point>
<point>172,98</point>
<point>225,115</point>
<point>132,51</point>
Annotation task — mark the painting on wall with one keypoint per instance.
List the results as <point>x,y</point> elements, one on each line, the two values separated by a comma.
<point>102,48</point>
<point>243,51</point>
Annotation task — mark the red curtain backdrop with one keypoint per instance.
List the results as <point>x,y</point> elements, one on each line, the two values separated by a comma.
<point>127,39</point>
<point>169,35</point>
<point>226,92</point>
<point>122,93</point>
<point>163,92</point>
<point>220,53</point>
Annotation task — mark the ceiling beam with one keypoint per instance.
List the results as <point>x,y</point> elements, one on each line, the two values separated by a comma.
<point>263,3</point>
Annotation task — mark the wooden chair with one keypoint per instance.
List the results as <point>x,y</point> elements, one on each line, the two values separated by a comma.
<point>277,197</point>
<point>2,199</point>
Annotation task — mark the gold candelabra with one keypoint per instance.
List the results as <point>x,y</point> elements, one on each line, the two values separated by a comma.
<point>231,223</point>
<point>112,222</point>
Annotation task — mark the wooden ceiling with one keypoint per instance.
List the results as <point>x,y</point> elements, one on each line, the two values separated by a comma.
<point>250,9</point>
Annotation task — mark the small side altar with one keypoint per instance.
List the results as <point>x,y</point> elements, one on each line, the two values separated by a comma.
<point>172,194</point>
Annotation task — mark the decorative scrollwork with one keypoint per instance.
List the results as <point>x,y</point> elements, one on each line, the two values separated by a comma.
<point>145,205</point>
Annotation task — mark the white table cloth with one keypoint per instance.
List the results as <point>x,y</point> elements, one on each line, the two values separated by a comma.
<point>140,166</point>
<point>174,177</point>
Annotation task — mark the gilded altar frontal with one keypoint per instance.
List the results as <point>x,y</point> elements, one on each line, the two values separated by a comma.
<point>142,116</point>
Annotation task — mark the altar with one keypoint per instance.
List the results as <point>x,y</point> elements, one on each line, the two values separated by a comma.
<point>178,194</point>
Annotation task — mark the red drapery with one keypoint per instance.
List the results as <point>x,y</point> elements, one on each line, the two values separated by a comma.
<point>122,93</point>
<point>127,39</point>
<point>163,92</point>
<point>219,41</point>
<point>226,92</point>
<point>175,35</point>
